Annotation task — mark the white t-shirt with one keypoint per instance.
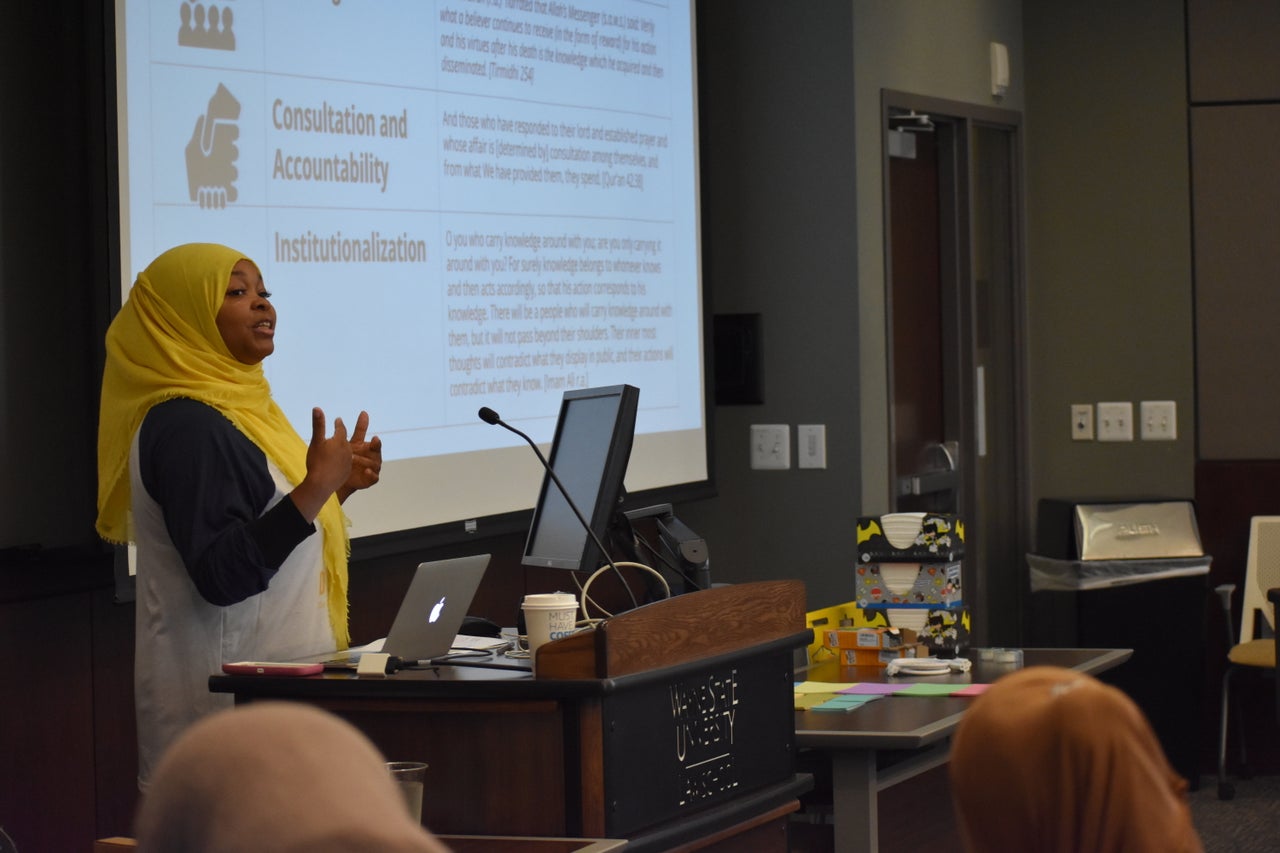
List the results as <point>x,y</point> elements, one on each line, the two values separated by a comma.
<point>180,637</point>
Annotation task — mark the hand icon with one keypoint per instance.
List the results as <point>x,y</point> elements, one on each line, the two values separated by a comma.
<point>211,153</point>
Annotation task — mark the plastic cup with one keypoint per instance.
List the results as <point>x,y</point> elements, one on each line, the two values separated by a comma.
<point>409,777</point>
<point>549,616</point>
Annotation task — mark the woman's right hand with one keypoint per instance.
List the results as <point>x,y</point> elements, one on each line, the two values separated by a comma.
<point>328,466</point>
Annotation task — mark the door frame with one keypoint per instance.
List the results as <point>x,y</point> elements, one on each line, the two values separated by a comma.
<point>997,593</point>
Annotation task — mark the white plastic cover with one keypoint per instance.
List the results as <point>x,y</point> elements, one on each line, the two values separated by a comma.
<point>1049,573</point>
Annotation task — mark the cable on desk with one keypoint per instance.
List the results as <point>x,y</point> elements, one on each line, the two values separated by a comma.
<point>586,585</point>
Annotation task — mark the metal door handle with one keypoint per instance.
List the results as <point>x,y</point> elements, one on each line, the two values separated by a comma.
<point>940,471</point>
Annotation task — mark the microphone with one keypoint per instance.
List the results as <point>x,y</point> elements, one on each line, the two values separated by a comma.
<point>491,417</point>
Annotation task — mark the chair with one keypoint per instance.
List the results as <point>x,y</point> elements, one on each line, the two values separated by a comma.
<point>1273,595</point>
<point>1250,650</point>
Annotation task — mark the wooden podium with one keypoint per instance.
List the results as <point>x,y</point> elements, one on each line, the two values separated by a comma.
<point>670,725</point>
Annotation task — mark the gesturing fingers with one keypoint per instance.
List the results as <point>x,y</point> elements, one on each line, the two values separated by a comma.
<point>328,461</point>
<point>362,426</point>
<point>366,467</point>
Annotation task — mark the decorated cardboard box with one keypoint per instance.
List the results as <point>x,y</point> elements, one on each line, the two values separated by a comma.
<point>881,657</point>
<point>934,538</point>
<point>880,637</point>
<point>943,632</point>
<point>946,632</point>
<point>922,586</point>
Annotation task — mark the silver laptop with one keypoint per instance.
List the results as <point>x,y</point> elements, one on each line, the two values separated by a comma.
<point>430,613</point>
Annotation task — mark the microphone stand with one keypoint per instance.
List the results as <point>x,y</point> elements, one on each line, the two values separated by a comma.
<point>491,417</point>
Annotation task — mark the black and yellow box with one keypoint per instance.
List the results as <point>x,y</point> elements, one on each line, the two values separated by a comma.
<point>919,538</point>
<point>946,631</point>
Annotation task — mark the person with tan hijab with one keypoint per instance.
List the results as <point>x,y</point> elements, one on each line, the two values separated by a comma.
<point>276,776</point>
<point>201,470</point>
<point>1054,761</point>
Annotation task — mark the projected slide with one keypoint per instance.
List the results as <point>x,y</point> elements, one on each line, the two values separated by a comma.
<point>454,204</point>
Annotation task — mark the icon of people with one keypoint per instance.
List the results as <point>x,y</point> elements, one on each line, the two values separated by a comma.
<point>207,27</point>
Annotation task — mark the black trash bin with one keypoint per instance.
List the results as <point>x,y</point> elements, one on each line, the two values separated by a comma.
<point>1153,603</point>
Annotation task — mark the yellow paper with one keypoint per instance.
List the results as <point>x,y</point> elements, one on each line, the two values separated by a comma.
<point>823,686</point>
<point>805,701</point>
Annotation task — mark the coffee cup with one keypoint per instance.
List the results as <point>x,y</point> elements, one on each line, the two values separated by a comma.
<point>549,616</point>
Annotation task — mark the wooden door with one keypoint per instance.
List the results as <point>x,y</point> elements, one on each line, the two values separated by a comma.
<point>954,305</point>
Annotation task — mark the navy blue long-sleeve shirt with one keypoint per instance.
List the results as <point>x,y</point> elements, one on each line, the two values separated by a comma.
<point>213,485</point>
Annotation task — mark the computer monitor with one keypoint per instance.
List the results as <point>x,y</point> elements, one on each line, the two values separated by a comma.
<point>589,454</point>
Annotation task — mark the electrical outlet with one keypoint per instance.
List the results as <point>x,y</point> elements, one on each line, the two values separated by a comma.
<point>1115,421</point>
<point>1159,420</point>
<point>811,445</point>
<point>770,446</point>
<point>1082,422</point>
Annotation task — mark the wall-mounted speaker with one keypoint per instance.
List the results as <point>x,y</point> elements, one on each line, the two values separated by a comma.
<point>739,360</point>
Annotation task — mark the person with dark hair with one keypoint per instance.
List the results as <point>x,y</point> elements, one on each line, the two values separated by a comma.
<point>201,470</point>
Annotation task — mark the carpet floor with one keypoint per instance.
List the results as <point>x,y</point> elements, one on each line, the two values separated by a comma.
<point>1247,823</point>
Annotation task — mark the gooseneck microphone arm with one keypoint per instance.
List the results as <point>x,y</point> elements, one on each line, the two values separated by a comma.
<point>491,417</point>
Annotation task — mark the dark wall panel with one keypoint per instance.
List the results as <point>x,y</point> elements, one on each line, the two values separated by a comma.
<point>1235,194</point>
<point>55,275</point>
<point>46,731</point>
<point>115,755</point>
<point>1232,50</point>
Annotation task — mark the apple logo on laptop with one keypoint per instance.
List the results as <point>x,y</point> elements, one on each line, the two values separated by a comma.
<point>435,611</point>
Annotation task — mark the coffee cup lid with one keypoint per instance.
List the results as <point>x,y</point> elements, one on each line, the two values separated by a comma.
<point>551,599</point>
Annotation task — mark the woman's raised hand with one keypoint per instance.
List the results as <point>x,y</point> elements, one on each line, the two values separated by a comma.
<point>366,461</point>
<point>329,459</point>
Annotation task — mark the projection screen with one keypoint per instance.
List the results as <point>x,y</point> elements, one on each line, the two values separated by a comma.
<point>454,204</point>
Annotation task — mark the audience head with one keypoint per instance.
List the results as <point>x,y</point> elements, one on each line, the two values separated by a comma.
<point>1053,760</point>
<point>276,776</point>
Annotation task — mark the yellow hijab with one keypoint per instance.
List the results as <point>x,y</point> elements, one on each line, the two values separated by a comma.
<point>165,343</point>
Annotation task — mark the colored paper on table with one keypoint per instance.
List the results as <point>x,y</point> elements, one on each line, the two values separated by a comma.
<point>972,690</point>
<point>874,688</point>
<point>844,702</point>
<point>931,689</point>
<point>822,686</point>
<point>806,701</point>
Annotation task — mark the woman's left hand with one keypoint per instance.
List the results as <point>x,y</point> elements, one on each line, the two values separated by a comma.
<point>366,459</point>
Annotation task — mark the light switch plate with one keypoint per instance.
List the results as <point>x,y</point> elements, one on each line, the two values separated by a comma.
<point>1082,421</point>
<point>1159,419</point>
<point>770,446</point>
<point>1115,421</point>
<point>811,445</point>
